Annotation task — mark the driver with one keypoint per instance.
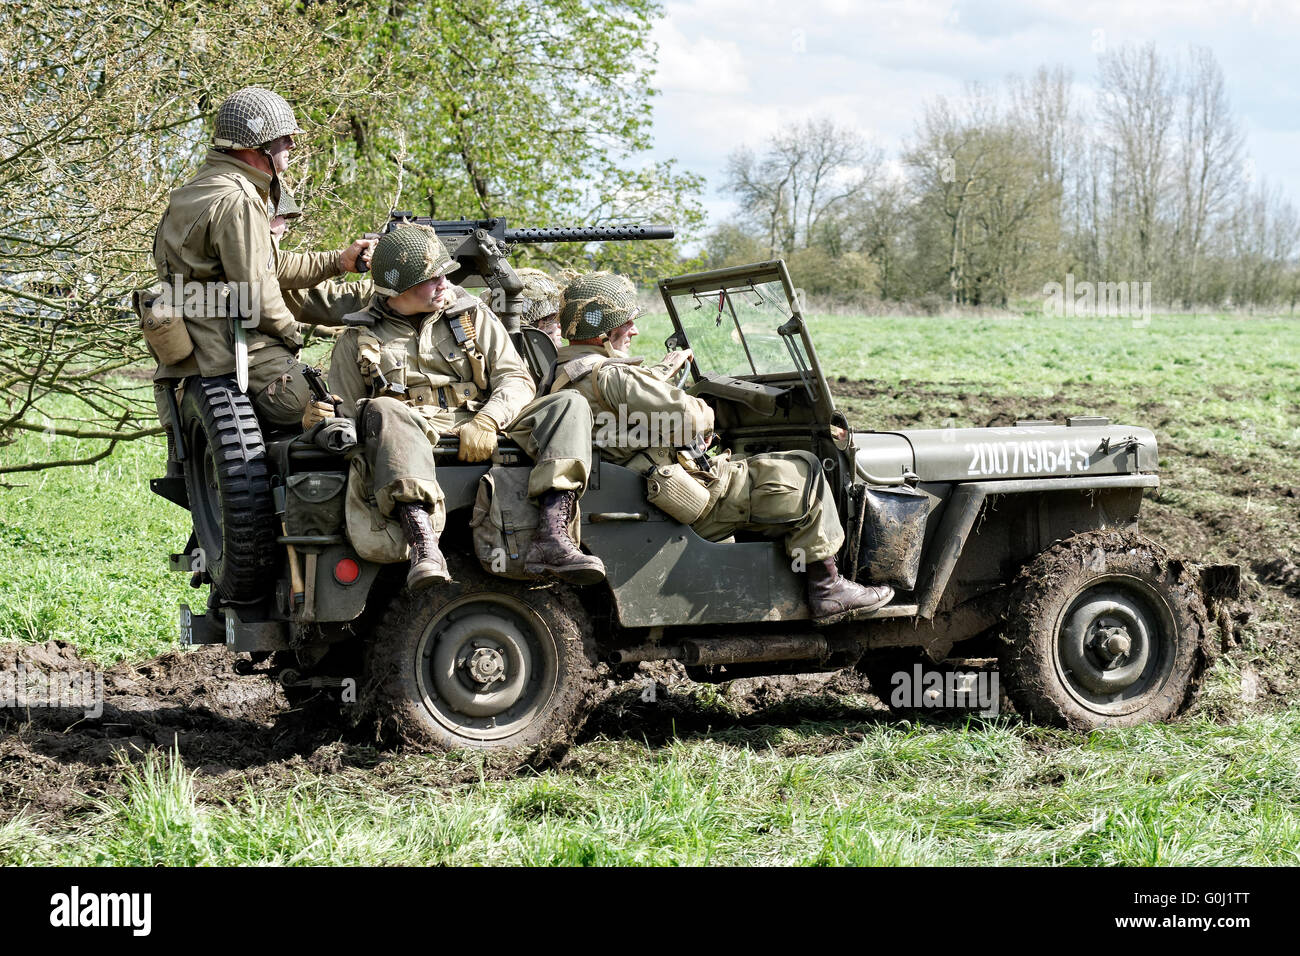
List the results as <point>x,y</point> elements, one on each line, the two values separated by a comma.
<point>777,494</point>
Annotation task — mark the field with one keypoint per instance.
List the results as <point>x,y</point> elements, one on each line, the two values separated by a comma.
<point>193,764</point>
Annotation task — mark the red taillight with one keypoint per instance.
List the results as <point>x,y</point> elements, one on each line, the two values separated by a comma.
<point>347,571</point>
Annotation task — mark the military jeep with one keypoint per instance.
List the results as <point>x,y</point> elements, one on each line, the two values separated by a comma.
<point>1015,545</point>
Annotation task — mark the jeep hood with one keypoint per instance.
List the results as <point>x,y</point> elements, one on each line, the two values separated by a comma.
<point>1022,451</point>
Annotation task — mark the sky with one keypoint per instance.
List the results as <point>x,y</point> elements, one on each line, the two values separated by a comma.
<point>730,72</point>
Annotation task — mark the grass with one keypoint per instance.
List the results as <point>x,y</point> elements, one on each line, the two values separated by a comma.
<point>1198,793</point>
<point>82,559</point>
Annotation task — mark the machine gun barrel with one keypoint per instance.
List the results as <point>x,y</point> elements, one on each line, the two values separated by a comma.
<point>588,233</point>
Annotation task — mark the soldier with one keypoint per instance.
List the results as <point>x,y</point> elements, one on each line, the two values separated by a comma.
<point>782,493</point>
<point>542,293</point>
<point>217,230</point>
<point>426,360</point>
<point>319,309</point>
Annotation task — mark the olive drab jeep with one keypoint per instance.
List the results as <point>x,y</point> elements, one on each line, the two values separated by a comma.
<point>1018,545</point>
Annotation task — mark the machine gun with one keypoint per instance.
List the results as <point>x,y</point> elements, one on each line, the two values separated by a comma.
<point>480,247</point>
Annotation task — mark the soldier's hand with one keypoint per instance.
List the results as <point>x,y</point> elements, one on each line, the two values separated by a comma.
<point>358,252</point>
<point>317,412</point>
<point>678,357</point>
<point>478,438</point>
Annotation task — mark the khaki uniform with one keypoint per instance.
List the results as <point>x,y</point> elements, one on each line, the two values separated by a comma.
<point>328,303</point>
<point>447,384</point>
<point>217,229</point>
<point>781,493</point>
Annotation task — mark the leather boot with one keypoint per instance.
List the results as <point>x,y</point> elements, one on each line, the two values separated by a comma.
<point>832,598</point>
<point>553,551</point>
<point>428,566</point>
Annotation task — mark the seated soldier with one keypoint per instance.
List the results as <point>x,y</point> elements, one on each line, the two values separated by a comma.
<point>782,493</point>
<point>425,360</point>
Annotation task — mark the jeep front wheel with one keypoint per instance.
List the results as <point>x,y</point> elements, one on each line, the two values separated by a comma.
<point>483,663</point>
<point>1107,630</point>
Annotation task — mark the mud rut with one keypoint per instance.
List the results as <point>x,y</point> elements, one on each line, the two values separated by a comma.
<point>237,730</point>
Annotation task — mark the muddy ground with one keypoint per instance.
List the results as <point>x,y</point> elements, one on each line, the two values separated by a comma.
<point>238,730</point>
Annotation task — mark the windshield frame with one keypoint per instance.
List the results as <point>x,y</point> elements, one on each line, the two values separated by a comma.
<point>703,284</point>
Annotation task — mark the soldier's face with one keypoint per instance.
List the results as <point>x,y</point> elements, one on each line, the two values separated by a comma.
<point>421,297</point>
<point>278,225</point>
<point>621,337</point>
<point>279,150</point>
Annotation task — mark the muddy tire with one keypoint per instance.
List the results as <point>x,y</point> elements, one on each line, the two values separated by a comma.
<point>483,663</point>
<point>229,488</point>
<point>1105,630</point>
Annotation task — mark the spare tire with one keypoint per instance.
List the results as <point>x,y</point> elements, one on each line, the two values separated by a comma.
<point>229,488</point>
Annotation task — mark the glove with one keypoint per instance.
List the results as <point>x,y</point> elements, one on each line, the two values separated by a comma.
<point>478,438</point>
<point>317,412</point>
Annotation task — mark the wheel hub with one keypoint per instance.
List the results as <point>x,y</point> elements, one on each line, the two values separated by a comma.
<point>485,666</point>
<point>481,663</point>
<point>1111,642</point>
<point>1111,646</point>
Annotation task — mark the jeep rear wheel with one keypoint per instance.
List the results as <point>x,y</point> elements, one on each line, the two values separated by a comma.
<point>229,488</point>
<point>1107,630</point>
<point>483,663</point>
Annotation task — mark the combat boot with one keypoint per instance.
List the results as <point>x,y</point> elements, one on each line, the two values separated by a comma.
<point>553,550</point>
<point>428,566</point>
<point>832,598</point>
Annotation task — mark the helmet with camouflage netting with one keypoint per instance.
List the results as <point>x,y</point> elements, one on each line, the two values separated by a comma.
<point>595,304</point>
<point>406,257</point>
<point>251,118</point>
<point>287,206</point>
<point>542,294</point>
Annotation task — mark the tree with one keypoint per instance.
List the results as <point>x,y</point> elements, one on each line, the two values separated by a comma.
<point>534,109</point>
<point>797,190</point>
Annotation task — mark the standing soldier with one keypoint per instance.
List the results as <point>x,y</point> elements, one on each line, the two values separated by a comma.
<point>782,493</point>
<point>216,231</point>
<point>426,360</point>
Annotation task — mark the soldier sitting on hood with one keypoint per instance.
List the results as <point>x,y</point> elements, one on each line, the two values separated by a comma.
<point>777,494</point>
<point>425,360</point>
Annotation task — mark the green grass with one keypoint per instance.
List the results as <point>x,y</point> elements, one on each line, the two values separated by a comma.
<point>1198,793</point>
<point>82,559</point>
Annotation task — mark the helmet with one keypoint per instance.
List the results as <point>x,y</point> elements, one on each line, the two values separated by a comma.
<point>252,117</point>
<point>407,256</point>
<point>542,294</point>
<point>595,304</point>
<point>287,207</point>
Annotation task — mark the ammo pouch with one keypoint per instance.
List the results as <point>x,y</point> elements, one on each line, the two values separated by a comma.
<point>373,536</point>
<point>886,534</point>
<point>505,521</point>
<point>163,329</point>
<point>315,504</point>
<point>677,492</point>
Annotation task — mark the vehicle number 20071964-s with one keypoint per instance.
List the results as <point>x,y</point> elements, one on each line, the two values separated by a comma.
<point>1032,456</point>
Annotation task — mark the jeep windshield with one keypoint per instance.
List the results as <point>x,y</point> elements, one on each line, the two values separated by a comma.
<point>733,320</point>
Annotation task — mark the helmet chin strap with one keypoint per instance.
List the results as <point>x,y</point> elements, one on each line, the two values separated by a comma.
<point>275,177</point>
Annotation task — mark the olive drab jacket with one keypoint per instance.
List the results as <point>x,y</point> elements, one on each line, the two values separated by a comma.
<point>217,228</point>
<point>453,365</point>
<point>640,417</point>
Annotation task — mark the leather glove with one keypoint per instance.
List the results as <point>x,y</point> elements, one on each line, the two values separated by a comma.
<point>478,438</point>
<point>317,412</point>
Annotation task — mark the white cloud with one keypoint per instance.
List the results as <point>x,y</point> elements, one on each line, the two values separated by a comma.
<point>732,71</point>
